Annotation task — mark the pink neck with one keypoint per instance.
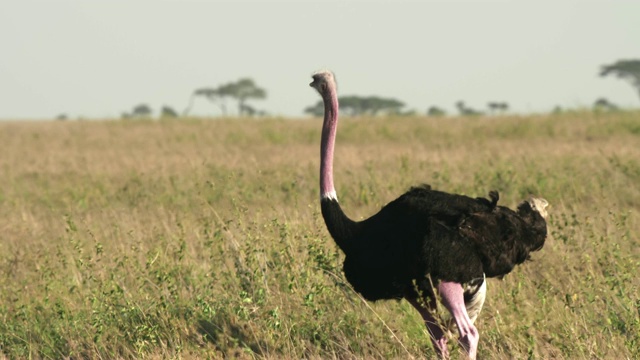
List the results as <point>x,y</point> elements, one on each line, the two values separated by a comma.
<point>329,127</point>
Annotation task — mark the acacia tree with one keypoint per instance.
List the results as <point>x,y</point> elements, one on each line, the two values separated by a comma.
<point>465,110</point>
<point>214,95</point>
<point>142,110</point>
<point>315,110</point>
<point>602,104</point>
<point>354,105</point>
<point>374,105</point>
<point>168,112</point>
<point>242,90</point>
<point>436,111</point>
<point>351,105</point>
<point>624,69</point>
<point>497,106</point>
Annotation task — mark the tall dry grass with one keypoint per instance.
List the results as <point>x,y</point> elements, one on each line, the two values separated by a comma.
<point>198,238</point>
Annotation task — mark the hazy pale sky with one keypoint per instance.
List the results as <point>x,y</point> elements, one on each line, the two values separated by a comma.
<point>93,58</point>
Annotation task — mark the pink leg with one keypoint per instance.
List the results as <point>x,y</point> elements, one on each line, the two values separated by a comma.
<point>438,338</point>
<point>452,296</point>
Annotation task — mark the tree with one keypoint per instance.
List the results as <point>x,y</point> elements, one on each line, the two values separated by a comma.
<point>375,105</point>
<point>371,105</point>
<point>624,69</point>
<point>168,112</point>
<point>436,111</point>
<point>466,111</point>
<point>142,110</point>
<point>241,90</point>
<point>249,110</point>
<point>409,112</point>
<point>495,107</point>
<point>354,105</point>
<point>214,95</point>
<point>315,110</point>
<point>244,90</point>
<point>602,104</point>
<point>351,105</point>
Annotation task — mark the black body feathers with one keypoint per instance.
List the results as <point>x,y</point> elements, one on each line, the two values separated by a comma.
<point>427,235</point>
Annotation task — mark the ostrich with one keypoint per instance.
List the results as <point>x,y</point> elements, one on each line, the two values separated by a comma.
<point>427,245</point>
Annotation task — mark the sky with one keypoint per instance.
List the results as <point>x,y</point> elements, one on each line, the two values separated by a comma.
<point>99,58</point>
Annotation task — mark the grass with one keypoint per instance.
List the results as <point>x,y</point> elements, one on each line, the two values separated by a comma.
<point>203,239</point>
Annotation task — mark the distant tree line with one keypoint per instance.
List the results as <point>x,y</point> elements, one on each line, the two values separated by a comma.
<point>240,91</point>
<point>628,70</point>
<point>245,90</point>
<point>494,107</point>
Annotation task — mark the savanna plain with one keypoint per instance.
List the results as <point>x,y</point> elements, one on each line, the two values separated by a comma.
<point>202,238</point>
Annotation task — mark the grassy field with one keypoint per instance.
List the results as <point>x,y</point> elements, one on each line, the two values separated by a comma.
<point>203,238</point>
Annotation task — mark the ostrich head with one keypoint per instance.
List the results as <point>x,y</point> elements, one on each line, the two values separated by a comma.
<point>322,81</point>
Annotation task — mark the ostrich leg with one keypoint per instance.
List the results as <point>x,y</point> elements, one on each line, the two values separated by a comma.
<point>452,297</point>
<point>438,338</point>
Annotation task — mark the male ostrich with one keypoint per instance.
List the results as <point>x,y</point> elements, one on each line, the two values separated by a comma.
<point>427,244</point>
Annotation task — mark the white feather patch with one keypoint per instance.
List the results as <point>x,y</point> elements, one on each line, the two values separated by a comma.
<point>331,195</point>
<point>477,301</point>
